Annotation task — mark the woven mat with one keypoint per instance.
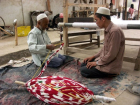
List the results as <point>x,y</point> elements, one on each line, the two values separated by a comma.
<point>13,94</point>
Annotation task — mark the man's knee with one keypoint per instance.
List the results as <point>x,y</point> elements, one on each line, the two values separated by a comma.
<point>55,62</point>
<point>59,62</point>
<point>83,71</point>
<point>83,64</point>
<point>62,57</point>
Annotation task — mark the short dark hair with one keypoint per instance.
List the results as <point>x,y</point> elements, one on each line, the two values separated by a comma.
<point>100,16</point>
<point>111,4</point>
<point>132,6</point>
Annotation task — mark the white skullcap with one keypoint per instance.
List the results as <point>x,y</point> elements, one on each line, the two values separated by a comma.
<point>103,11</point>
<point>41,16</point>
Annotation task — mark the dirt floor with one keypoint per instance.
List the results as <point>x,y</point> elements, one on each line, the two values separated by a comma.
<point>126,98</point>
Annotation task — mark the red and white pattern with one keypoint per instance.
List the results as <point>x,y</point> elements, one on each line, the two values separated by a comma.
<point>49,59</point>
<point>57,90</point>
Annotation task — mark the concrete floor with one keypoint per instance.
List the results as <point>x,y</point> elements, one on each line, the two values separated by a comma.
<point>7,46</point>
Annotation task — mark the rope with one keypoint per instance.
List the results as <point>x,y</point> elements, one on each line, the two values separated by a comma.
<point>41,64</point>
<point>47,62</point>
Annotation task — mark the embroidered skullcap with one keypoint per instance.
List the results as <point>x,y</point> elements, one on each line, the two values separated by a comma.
<point>41,16</point>
<point>103,11</point>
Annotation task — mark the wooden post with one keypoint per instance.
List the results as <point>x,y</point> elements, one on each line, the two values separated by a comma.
<point>125,9</point>
<point>22,12</point>
<point>16,36</point>
<point>137,62</point>
<point>80,3</point>
<point>117,4</point>
<point>65,20</point>
<point>106,4</point>
<point>48,5</point>
<point>138,10</point>
<point>95,8</point>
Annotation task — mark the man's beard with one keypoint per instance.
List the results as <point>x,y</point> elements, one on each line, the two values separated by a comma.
<point>41,28</point>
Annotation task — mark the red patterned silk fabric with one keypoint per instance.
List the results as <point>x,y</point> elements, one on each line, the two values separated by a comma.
<point>57,90</point>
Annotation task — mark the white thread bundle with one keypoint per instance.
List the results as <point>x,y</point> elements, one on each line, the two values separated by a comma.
<point>102,98</point>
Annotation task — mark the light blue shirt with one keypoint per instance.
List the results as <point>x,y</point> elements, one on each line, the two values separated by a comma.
<point>37,41</point>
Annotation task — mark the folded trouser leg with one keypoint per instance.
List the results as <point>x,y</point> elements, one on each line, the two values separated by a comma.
<point>55,62</point>
<point>62,57</point>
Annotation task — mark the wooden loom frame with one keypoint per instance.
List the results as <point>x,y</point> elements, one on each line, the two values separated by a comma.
<point>65,20</point>
<point>65,34</point>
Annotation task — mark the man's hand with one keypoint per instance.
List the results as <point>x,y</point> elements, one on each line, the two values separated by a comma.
<point>91,64</point>
<point>50,47</point>
<point>86,60</point>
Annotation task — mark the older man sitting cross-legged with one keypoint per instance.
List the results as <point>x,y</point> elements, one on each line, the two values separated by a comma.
<point>40,44</point>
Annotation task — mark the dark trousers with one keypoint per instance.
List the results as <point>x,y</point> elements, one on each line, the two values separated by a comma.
<point>56,61</point>
<point>93,72</point>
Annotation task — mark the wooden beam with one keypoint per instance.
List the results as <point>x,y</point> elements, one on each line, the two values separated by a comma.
<point>138,10</point>
<point>80,2</point>
<point>133,39</point>
<point>128,59</point>
<point>95,8</point>
<point>48,5</point>
<point>78,50</point>
<point>6,31</point>
<point>105,1</point>
<point>65,29</point>
<point>73,9</point>
<point>117,4</point>
<point>22,12</point>
<point>86,5</point>
<point>125,9</point>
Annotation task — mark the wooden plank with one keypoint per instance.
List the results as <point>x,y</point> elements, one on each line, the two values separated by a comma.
<point>74,33</point>
<point>6,31</point>
<point>48,5</point>
<point>86,5</point>
<point>84,42</point>
<point>65,29</point>
<point>78,50</point>
<point>128,59</point>
<point>132,39</point>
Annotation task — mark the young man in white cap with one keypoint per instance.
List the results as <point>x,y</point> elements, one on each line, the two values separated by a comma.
<point>40,44</point>
<point>108,62</point>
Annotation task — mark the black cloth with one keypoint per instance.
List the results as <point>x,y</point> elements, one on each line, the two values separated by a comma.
<point>93,72</point>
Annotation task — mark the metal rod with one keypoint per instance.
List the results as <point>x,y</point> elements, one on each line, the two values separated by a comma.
<point>126,24</point>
